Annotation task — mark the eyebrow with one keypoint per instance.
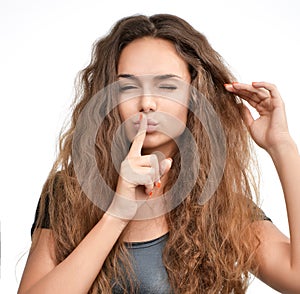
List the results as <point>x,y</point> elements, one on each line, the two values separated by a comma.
<point>127,76</point>
<point>158,77</point>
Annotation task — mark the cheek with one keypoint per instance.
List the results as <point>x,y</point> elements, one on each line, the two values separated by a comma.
<point>174,122</point>
<point>184,114</point>
<point>125,112</point>
<point>181,114</point>
<point>182,119</point>
<point>179,108</point>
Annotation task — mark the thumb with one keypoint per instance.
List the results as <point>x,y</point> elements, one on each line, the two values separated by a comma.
<point>247,116</point>
<point>165,166</point>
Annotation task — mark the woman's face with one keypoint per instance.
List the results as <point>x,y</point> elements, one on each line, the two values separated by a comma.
<point>154,80</point>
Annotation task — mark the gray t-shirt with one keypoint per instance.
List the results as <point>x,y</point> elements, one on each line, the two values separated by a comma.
<point>146,258</point>
<point>148,266</point>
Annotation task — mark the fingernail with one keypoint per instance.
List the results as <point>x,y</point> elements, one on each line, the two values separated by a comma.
<point>227,85</point>
<point>150,194</point>
<point>158,184</point>
<point>141,116</point>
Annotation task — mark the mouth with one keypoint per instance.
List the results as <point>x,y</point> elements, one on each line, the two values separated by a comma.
<point>151,125</point>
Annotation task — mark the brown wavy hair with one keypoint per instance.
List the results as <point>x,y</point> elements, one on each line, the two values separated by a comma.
<point>210,248</point>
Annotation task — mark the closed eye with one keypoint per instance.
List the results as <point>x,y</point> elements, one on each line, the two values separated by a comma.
<point>168,87</point>
<point>125,88</point>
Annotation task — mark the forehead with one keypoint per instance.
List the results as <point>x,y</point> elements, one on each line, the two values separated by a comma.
<point>152,56</point>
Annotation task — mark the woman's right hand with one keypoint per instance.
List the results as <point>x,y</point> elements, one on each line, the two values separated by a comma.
<point>138,170</point>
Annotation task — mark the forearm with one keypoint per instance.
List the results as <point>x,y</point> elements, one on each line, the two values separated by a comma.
<point>287,162</point>
<point>78,271</point>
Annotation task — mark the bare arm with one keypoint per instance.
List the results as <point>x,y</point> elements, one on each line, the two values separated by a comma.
<point>277,256</point>
<point>79,270</point>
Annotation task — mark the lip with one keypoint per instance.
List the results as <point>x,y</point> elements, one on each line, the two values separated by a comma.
<point>152,125</point>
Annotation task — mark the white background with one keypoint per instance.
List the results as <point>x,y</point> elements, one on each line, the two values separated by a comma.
<point>45,43</point>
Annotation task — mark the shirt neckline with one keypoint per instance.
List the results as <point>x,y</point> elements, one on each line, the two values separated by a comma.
<point>148,243</point>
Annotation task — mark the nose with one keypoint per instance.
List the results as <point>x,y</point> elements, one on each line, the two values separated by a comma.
<point>147,103</point>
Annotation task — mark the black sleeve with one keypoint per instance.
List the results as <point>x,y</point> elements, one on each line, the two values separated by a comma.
<point>262,215</point>
<point>267,218</point>
<point>45,218</point>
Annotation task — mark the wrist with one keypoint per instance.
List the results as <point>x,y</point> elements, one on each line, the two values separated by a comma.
<point>123,208</point>
<point>112,219</point>
<point>125,189</point>
<point>285,147</point>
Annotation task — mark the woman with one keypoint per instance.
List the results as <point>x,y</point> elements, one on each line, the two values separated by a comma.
<point>127,230</point>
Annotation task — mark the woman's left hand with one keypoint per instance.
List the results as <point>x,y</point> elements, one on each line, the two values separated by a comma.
<point>270,129</point>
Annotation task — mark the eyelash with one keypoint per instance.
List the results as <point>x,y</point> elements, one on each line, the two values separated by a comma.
<point>125,88</point>
<point>168,87</point>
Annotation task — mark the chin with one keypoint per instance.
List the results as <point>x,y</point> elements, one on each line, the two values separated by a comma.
<point>156,141</point>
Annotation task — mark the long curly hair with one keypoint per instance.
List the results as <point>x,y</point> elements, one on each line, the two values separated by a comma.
<point>211,246</point>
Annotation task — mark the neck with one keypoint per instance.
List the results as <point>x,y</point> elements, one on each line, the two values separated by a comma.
<point>166,150</point>
<point>145,230</point>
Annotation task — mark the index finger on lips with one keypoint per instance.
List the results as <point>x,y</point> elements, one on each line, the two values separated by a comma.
<point>138,140</point>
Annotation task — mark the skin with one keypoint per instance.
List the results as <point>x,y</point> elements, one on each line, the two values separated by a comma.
<point>151,90</point>
<point>146,59</point>
<point>144,67</point>
<point>278,256</point>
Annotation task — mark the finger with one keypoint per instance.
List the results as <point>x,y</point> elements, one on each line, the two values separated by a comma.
<point>155,165</point>
<point>160,157</point>
<point>156,175</point>
<point>242,90</point>
<point>255,94</point>
<point>135,177</point>
<point>138,141</point>
<point>268,86</point>
<point>146,161</point>
<point>149,185</point>
<point>250,101</point>
<point>149,189</point>
<point>148,165</point>
<point>165,166</point>
<point>247,116</point>
<point>248,92</point>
